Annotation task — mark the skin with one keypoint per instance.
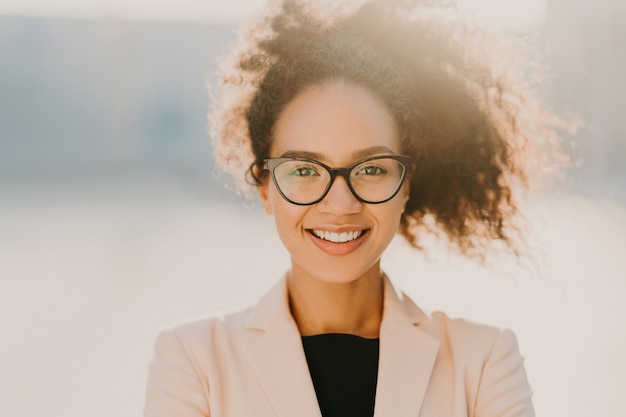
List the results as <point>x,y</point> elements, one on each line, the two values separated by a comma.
<point>335,288</point>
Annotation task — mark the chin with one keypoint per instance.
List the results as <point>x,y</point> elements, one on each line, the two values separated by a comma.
<point>340,272</point>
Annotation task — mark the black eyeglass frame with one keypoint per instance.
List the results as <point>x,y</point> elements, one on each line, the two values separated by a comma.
<point>271,163</point>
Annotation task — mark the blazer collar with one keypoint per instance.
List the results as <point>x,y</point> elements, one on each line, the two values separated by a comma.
<point>277,356</point>
<point>406,359</point>
<point>407,356</point>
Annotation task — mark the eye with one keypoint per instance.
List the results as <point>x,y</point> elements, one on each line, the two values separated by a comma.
<point>303,171</point>
<point>370,170</point>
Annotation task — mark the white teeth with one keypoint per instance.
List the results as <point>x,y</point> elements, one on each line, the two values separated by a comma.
<point>338,237</point>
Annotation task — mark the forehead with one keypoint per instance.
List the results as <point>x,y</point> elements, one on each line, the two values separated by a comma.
<point>337,121</point>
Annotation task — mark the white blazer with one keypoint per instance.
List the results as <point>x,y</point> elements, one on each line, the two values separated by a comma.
<point>252,364</point>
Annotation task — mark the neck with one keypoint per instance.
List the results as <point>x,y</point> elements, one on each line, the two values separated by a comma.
<point>321,307</point>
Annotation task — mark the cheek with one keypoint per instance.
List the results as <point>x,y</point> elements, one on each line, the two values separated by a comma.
<point>288,219</point>
<point>287,216</point>
<point>392,214</point>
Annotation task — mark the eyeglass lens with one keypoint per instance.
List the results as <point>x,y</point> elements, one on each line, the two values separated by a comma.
<point>304,182</point>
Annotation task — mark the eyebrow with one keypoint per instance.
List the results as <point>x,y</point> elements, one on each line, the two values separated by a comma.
<point>360,154</point>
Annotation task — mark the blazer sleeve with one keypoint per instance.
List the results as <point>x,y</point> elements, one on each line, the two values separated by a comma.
<point>504,390</point>
<point>174,387</point>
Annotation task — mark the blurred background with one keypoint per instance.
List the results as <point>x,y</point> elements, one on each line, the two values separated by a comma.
<point>114,225</point>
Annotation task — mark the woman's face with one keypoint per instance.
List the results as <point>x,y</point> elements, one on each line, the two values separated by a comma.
<point>336,124</point>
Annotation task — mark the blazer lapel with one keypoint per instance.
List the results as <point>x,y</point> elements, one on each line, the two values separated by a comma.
<point>407,357</point>
<point>277,356</point>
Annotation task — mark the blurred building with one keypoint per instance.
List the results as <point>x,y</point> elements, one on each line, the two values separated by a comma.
<point>79,96</point>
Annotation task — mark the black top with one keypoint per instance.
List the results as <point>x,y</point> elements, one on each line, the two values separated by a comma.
<point>344,370</point>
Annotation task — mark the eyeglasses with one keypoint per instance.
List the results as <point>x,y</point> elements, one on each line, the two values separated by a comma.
<point>304,182</point>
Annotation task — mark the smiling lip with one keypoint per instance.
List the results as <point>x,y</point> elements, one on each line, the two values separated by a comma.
<point>338,242</point>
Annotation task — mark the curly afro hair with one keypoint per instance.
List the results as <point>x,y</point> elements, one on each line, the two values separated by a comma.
<point>472,126</point>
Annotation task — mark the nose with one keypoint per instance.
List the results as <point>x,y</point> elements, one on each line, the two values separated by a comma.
<point>339,200</point>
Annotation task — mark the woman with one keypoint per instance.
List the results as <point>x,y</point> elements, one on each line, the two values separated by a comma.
<point>353,126</point>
